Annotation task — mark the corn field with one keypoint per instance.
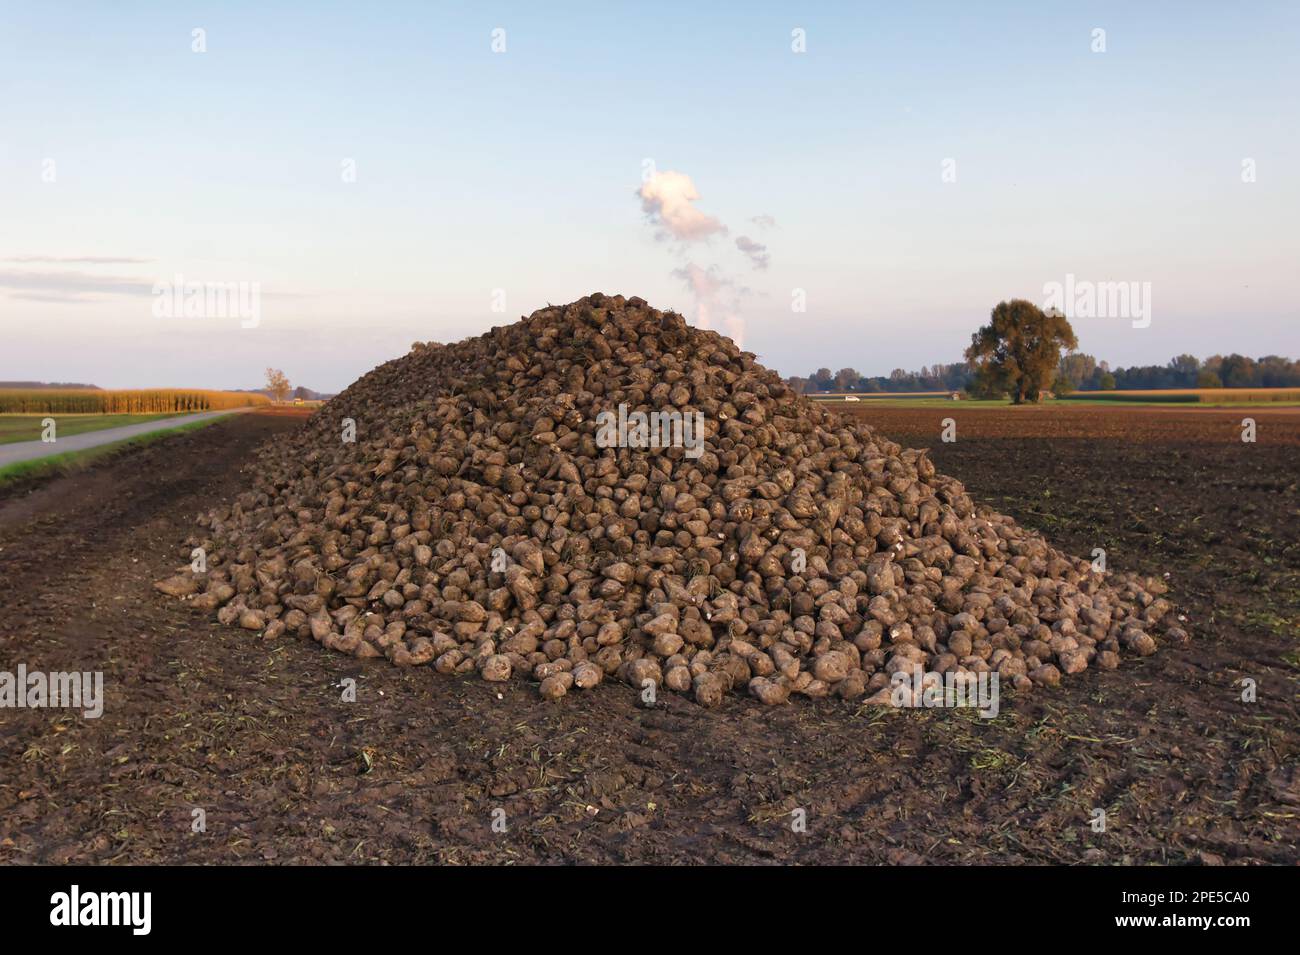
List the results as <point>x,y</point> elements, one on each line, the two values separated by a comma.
<point>144,401</point>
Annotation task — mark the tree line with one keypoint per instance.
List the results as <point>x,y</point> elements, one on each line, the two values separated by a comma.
<point>1082,372</point>
<point>1024,351</point>
<point>953,377</point>
<point>1075,372</point>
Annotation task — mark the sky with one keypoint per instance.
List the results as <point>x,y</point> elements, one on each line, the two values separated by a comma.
<point>834,185</point>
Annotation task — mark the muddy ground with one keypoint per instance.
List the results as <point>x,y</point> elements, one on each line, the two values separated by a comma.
<point>200,716</point>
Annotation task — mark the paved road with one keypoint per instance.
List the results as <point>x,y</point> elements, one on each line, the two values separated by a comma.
<point>31,450</point>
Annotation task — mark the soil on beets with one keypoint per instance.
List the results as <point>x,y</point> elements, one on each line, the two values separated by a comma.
<point>200,716</point>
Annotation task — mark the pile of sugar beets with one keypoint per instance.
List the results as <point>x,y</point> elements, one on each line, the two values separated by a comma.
<point>477,524</point>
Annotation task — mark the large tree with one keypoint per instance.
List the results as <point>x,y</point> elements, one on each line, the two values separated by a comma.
<point>846,379</point>
<point>277,384</point>
<point>1186,367</point>
<point>1237,371</point>
<point>1018,350</point>
<point>1076,368</point>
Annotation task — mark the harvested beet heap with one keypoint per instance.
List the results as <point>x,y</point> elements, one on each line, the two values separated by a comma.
<point>477,524</point>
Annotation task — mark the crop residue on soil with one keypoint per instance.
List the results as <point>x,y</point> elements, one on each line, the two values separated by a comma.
<point>257,733</point>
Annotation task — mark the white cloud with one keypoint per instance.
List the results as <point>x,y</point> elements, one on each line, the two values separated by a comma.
<point>668,198</point>
<point>75,260</point>
<point>69,286</point>
<point>717,300</point>
<point>756,251</point>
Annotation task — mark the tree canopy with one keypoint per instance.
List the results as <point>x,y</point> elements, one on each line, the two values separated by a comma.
<point>1019,350</point>
<point>277,383</point>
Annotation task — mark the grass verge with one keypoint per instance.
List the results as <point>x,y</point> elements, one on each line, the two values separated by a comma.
<point>70,462</point>
<point>28,427</point>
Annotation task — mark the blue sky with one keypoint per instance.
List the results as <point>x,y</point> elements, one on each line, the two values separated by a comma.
<point>518,171</point>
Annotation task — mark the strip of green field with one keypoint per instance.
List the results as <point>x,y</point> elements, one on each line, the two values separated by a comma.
<point>28,427</point>
<point>1212,398</point>
<point>73,461</point>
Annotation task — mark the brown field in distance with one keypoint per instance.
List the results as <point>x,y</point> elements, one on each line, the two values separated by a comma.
<point>1180,424</point>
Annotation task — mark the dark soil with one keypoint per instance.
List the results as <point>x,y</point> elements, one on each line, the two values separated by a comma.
<point>256,734</point>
